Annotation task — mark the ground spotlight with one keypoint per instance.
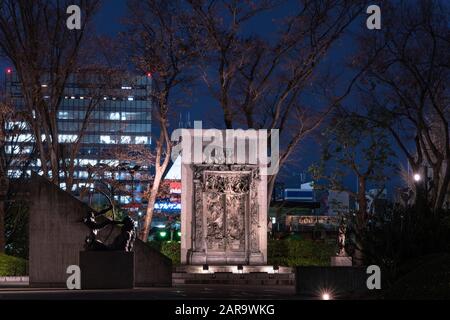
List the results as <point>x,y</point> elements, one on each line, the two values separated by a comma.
<point>326,296</point>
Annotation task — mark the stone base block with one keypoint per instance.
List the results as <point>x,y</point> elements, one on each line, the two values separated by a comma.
<point>341,261</point>
<point>222,258</point>
<point>107,270</point>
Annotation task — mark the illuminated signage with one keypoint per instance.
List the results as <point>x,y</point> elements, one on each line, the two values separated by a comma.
<point>167,206</point>
<point>175,187</point>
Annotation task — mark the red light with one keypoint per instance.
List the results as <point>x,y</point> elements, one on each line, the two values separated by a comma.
<point>149,74</point>
<point>9,71</point>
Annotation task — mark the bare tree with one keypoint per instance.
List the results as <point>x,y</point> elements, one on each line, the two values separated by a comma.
<point>95,82</point>
<point>112,178</point>
<point>13,154</point>
<point>260,82</point>
<point>408,87</point>
<point>161,43</point>
<point>45,53</point>
<point>353,146</point>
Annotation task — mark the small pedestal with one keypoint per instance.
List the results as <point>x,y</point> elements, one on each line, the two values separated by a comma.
<point>341,261</point>
<point>107,270</point>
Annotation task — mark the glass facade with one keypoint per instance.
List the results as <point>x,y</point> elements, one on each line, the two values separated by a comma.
<point>121,116</point>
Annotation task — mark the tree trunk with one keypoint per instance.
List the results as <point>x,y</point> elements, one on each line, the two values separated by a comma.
<point>270,185</point>
<point>151,206</point>
<point>148,216</point>
<point>4,185</point>
<point>361,220</point>
<point>442,189</point>
<point>2,227</point>
<point>358,255</point>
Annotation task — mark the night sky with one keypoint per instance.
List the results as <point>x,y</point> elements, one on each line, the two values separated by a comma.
<point>108,22</point>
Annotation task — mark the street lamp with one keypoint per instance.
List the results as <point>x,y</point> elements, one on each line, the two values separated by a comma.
<point>417,177</point>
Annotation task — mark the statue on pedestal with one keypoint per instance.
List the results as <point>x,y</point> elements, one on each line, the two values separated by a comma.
<point>341,238</point>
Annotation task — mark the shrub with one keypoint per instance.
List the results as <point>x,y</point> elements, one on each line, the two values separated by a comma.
<point>287,252</point>
<point>12,266</point>
<point>296,252</point>
<point>428,278</point>
<point>172,250</point>
<point>16,229</point>
<point>404,235</point>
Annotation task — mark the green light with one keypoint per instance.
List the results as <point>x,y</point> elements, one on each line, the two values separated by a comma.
<point>179,233</point>
<point>163,234</point>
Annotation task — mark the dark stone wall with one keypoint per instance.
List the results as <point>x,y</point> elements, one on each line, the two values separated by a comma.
<point>152,269</point>
<point>107,270</point>
<point>341,281</point>
<point>57,234</point>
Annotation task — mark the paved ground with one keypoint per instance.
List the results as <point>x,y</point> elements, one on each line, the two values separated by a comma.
<point>181,292</point>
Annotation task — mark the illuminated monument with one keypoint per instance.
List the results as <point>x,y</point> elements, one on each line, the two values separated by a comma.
<point>224,205</point>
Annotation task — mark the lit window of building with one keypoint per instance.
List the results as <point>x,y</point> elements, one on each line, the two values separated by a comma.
<point>125,139</point>
<point>141,140</point>
<point>26,137</point>
<point>114,123</point>
<point>107,140</point>
<point>85,162</point>
<point>63,115</point>
<point>16,125</point>
<point>83,174</point>
<point>67,138</point>
<point>114,116</point>
<point>14,173</point>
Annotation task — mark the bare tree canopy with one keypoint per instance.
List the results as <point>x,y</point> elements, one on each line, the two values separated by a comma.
<point>259,82</point>
<point>45,53</point>
<point>161,43</point>
<point>407,87</point>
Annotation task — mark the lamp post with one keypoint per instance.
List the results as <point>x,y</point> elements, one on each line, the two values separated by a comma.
<point>417,177</point>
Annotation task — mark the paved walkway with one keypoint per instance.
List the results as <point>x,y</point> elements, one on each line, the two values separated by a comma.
<point>181,292</point>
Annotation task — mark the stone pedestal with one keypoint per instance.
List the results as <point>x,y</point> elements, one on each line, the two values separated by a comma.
<point>341,261</point>
<point>107,270</point>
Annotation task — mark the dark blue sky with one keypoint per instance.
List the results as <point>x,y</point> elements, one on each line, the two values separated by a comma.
<point>108,22</point>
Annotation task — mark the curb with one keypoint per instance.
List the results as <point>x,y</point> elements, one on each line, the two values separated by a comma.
<point>14,279</point>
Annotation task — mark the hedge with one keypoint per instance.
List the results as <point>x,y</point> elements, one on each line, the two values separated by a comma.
<point>286,252</point>
<point>297,252</point>
<point>171,250</point>
<point>12,266</point>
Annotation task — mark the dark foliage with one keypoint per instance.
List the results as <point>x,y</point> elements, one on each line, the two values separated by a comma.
<point>402,235</point>
<point>16,229</point>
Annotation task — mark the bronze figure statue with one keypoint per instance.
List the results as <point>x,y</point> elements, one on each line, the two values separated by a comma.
<point>123,242</point>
